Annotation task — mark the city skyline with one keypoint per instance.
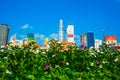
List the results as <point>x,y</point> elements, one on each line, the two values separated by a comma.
<point>42,17</point>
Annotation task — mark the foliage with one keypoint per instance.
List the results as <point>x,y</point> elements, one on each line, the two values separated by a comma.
<point>31,63</point>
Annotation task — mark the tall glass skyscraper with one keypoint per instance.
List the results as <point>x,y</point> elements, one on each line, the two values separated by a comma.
<point>3,34</point>
<point>62,32</point>
<point>90,39</point>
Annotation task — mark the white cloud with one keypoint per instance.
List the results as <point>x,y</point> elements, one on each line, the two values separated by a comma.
<point>26,26</point>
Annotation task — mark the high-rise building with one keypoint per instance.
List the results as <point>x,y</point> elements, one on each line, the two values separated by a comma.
<point>88,39</point>
<point>3,34</point>
<point>70,33</point>
<point>98,43</point>
<point>62,32</point>
<point>30,38</point>
<point>110,40</point>
<point>83,39</point>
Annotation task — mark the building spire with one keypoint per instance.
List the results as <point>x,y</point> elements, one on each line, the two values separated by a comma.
<point>61,23</point>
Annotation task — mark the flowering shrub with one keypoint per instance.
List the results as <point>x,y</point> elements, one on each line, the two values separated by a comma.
<point>38,64</point>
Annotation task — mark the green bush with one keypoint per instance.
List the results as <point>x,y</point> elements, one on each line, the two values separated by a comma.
<point>29,63</point>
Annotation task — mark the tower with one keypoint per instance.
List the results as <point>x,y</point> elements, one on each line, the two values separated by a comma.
<point>3,34</point>
<point>70,33</point>
<point>62,32</point>
<point>90,39</point>
<point>83,39</point>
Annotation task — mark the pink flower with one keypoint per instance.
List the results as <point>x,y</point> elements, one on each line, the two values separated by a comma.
<point>46,66</point>
<point>116,60</point>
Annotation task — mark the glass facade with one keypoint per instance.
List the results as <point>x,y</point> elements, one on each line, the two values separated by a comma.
<point>90,39</point>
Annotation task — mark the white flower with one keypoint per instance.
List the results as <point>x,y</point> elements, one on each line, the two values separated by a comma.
<point>91,64</point>
<point>53,55</point>
<point>5,57</point>
<point>56,66</point>
<point>9,48</point>
<point>2,46</point>
<point>92,53</point>
<point>43,53</point>
<point>116,59</point>
<point>103,62</point>
<point>88,68</point>
<point>2,50</point>
<point>95,56</point>
<point>102,52</point>
<point>67,63</point>
<point>100,66</point>
<point>98,50</point>
<point>7,71</point>
<point>37,51</point>
<point>61,51</point>
<point>47,50</point>
<point>33,50</point>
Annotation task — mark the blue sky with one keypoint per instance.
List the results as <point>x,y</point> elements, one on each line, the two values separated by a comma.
<point>41,17</point>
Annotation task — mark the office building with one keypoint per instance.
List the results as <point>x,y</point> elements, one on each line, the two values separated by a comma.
<point>83,40</point>
<point>70,33</point>
<point>3,34</point>
<point>98,43</point>
<point>62,32</point>
<point>90,39</point>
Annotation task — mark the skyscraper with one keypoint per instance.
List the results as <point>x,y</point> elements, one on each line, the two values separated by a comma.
<point>70,33</point>
<point>62,32</point>
<point>90,39</point>
<point>3,34</point>
<point>31,38</point>
<point>83,39</point>
<point>87,39</point>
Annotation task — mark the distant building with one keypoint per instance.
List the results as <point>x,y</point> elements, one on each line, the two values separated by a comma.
<point>70,33</point>
<point>13,38</point>
<point>110,40</point>
<point>62,32</point>
<point>14,41</point>
<point>83,39</point>
<point>98,43</point>
<point>87,39</point>
<point>3,34</point>
<point>90,39</point>
<point>30,35</point>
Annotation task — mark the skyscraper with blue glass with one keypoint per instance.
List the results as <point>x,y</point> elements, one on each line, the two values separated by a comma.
<point>90,39</point>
